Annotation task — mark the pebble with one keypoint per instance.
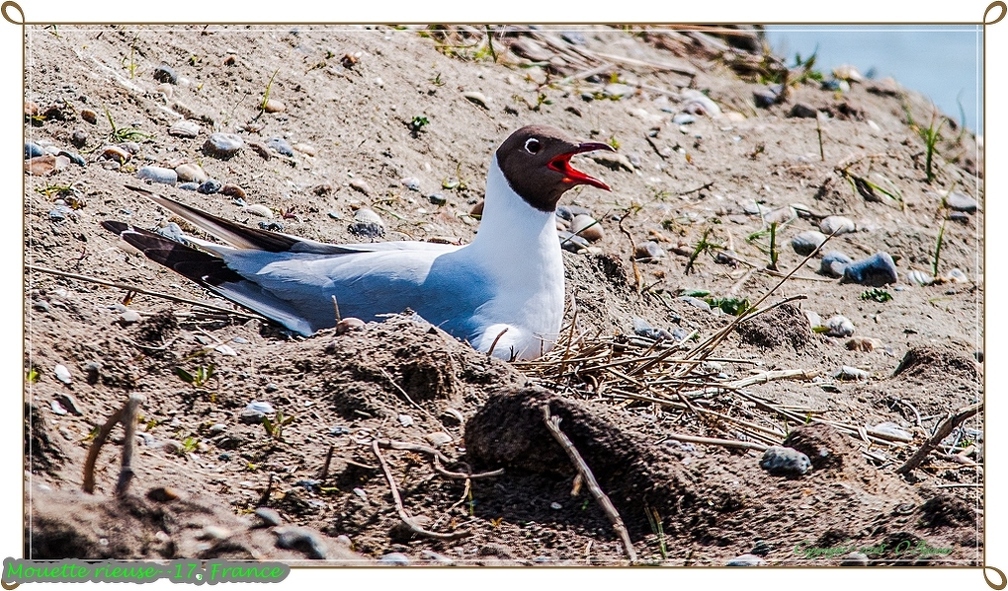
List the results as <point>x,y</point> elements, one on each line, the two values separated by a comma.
<point>438,438</point>
<point>764,99</point>
<point>851,374</point>
<point>921,278</point>
<point>209,187</point>
<point>439,559</point>
<point>394,559</point>
<point>367,224</point>
<point>223,145</point>
<point>612,161</point>
<point>164,73</point>
<point>214,532</point>
<point>833,263</point>
<point>301,538</point>
<point>838,224</point>
<point>477,210</point>
<point>116,153</point>
<point>615,90</point>
<point>781,215</point>
<point>959,216</point>
<point>75,158</point>
<point>57,408</point>
<point>157,174</point>
<point>360,186</point>
<point>255,411</point>
<point>79,138</point>
<point>89,116</point>
<point>847,72</point>
<point>865,344</point>
<point>261,150</point>
<point>259,210</point>
<point>835,85</point>
<point>649,251</point>
<point>807,241</point>
<point>41,306</point>
<point>954,276</point>
<point>280,146</point>
<point>875,271</point>
<point>643,328</point>
<point>360,493</point>
<point>60,213</point>
<point>803,111</point>
<point>163,494</point>
<point>587,227</point>
<point>349,325</point>
<point>274,106</point>
<point>272,226</point>
<point>62,374</point>
<point>696,302</point>
<point>191,172</point>
<point>232,190</point>
<point>698,103</point>
<point>405,420</point>
<point>961,202</point>
<point>477,98</point>
<point>785,461</point>
<point>129,317</point>
<point>892,429</point>
<point>855,559</point>
<point>190,186</point>
<point>683,119</point>
<point>305,149</point>
<point>437,199</point>
<point>411,182</point>
<point>839,326</point>
<point>571,242</point>
<point>184,128</point>
<point>41,165</point>
<point>746,560</point>
<point>33,150</point>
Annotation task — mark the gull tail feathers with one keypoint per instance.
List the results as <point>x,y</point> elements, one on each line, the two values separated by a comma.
<point>238,235</point>
<point>212,273</point>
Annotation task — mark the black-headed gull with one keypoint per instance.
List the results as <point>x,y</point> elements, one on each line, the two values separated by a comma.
<point>503,293</point>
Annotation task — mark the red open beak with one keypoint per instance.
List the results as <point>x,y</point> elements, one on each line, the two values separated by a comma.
<point>562,165</point>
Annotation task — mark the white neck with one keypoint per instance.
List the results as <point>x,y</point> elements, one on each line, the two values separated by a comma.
<point>518,245</point>
<point>511,224</point>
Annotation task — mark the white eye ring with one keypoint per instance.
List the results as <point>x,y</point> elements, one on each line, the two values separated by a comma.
<point>532,145</point>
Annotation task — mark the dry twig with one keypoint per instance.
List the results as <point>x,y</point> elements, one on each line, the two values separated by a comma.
<point>403,515</point>
<point>553,424</point>
<point>946,427</point>
<point>126,415</point>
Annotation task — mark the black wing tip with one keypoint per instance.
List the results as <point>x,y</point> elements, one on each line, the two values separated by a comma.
<point>115,226</point>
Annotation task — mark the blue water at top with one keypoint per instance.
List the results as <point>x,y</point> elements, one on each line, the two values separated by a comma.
<point>942,62</point>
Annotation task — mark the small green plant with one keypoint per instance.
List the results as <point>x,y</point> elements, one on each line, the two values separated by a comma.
<point>126,134</point>
<point>189,445</point>
<point>418,123</point>
<point>266,92</point>
<point>655,521</point>
<point>938,247</point>
<point>774,253</point>
<point>437,81</point>
<point>33,375</point>
<point>275,428</point>
<point>130,63</point>
<point>613,142</point>
<point>876,295</point>
<point>703,245</point>
<point>931,135</point>
<point>199,377</point>
<point>733,306</point>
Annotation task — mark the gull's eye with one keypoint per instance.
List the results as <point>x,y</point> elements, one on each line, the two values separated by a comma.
<point>532,145</point>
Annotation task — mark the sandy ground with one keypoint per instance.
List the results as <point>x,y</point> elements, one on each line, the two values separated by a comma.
<point>697,160</point>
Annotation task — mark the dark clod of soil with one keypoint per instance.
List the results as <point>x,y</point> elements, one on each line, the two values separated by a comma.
<point>509,431</point>
<point>946,510</point>
<point>158,328</point>
<point>824,446</point>
<point>42,450</point>
<point>784,324</point>
<point>930,363</point>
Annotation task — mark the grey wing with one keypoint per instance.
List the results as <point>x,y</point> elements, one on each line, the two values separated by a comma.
<point>434,283</point>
